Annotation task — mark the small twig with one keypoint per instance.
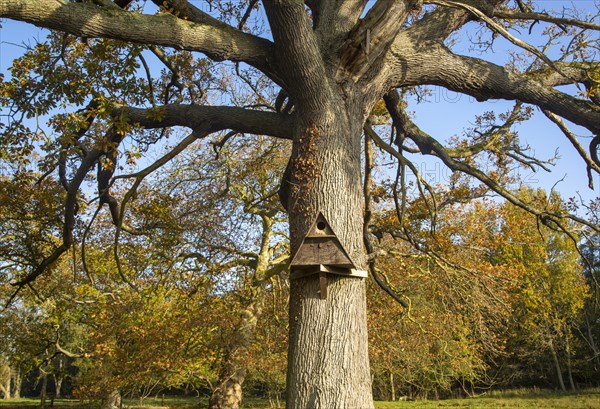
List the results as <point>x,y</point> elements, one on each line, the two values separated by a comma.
<point>494,26</point>
<point>149,77</point>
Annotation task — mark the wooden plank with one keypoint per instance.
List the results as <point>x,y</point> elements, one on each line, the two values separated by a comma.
<point>296,273</point>
<point>323,285</point>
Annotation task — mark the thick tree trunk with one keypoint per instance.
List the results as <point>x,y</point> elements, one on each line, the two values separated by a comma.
<point>328,365</point>
<point>228,393</point>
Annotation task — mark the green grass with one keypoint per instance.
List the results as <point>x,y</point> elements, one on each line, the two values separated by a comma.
<point>522,399</point>
<point>32,403</point>
<point>516,398</point>
<point>547,400</point>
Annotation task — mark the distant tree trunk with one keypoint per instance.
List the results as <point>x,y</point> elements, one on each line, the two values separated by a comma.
<point>592,343</point>
<point>392,387</point>
<point>569,371</point>
<point>44,389</point>
<point>17,382</point>
<point>228,393</point>
<point>58,380</point>
<point>112,400</point>
<point>561,382</point>
<point>5,372</point>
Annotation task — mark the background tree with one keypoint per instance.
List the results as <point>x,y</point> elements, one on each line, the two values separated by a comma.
<point>589,330</point>
<point>453,305</point>
<point>333,61</point>
<point>551,294</point>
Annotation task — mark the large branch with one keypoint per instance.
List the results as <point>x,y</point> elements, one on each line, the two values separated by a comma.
<point>437,65</point>
<point>588,159</point>
<point>499,29</point>
<point>217,40</point>
<point>209,119</point>
<point>568,73</point>
<point>184,9</point>
<point>204,120</point>
<point>297,53</point>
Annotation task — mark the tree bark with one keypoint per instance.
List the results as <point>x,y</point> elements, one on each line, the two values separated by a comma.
<point>328,365</point>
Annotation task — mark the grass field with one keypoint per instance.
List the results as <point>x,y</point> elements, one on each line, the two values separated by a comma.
<point>589,399</point>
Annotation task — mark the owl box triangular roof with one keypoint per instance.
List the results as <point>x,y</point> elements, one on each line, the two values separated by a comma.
<point>321,246</point>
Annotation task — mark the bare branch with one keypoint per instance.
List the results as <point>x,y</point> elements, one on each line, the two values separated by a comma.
<point>580,149</point>
<point>210,119</point>
<point>438,24</point>
<point>394,106</point>
<point>251,6</point>
<point>217,146</point>
<point>405,162</point>
<point>513,15</point>
<point>180,147</point>
<point>366,222</point>
<point>498,28</point>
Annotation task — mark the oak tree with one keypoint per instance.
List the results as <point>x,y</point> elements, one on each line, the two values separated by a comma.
<point>329,63</point>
